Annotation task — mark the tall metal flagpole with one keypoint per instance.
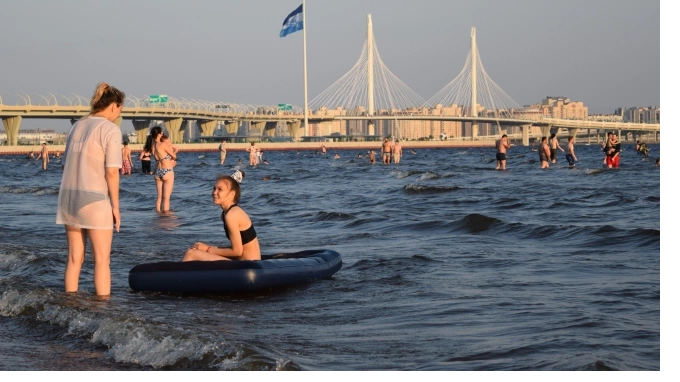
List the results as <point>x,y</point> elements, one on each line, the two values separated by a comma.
<point>304,58</point>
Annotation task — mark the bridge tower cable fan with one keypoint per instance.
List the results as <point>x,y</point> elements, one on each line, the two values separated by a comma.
<point>369,88</point>
<point>475,92</point>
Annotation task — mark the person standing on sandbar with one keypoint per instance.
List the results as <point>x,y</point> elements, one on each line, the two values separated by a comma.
<point>88,202</point>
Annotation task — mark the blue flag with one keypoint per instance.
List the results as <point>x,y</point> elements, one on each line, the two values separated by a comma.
<point>292,23</point>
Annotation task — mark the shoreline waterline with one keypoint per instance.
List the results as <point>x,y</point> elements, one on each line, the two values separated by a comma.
<point>279,146</point>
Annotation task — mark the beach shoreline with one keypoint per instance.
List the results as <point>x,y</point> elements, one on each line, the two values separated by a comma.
<point>280,146</point>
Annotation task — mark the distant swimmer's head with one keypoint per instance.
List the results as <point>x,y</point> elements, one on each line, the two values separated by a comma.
<point>238,175</point>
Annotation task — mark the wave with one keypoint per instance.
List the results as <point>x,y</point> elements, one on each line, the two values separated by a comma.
<point>400,174</point>
<point>433,175</point>
<point>134,340</point>
<point>38,191</point>
<point>422,189</point>
<point>333,216</point>
<point>475,223</point>
<point>11,258</point>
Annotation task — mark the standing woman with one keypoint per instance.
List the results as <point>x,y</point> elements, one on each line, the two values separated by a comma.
<point>165,157</point>
<point>145,156</point>
<point>88,204</point>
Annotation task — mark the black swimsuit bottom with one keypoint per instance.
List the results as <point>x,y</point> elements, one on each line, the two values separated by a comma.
<point>247,235</point>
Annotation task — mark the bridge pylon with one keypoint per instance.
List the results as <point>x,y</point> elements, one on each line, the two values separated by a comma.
<point>294,129</point>
<point>174,126</point>
<point>141,128</point>
<point>12,125</point>
<point>231,127</point>
<point>207,127</point>
<point>258,126</point>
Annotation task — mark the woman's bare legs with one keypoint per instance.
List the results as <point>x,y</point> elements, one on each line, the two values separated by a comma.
<point>168,183</point>
<point>77,240</point>
<point>159,191</point>
<point>195,255</point>
<point>101,254</point>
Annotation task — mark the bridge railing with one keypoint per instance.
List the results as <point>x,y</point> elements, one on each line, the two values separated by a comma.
<point>177,105</point>
<point>602,125</point>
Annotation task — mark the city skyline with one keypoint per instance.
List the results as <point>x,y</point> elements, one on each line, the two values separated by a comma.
<point>201,51</point>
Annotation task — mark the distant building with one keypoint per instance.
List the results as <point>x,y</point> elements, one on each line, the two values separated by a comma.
<point>650,114</point>
<point>35,137</point>
<point>563,108</point>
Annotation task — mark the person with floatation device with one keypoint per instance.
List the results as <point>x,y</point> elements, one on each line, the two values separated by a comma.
<point>237,225</point>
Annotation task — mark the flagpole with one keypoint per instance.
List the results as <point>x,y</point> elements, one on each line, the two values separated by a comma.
<point>304,58</point>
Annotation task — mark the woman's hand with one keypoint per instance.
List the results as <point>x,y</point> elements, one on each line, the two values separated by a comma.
<point>201,246</point>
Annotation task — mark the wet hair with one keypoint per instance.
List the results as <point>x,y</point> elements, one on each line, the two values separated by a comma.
<point>233,185</point>
<point>125,143</point>
<point>552,136</point>
<point>571,137</point>
<point>104,95</point>
<point>544,139</point>
<point>504,136</point>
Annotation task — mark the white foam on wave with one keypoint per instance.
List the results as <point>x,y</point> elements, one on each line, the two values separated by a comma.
<point>129,339</point>
<point>13,258</point>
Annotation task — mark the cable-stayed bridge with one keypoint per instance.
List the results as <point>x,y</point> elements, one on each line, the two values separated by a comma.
<point>368,100</point>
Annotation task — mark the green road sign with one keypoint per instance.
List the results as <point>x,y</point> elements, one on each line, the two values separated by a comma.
<point>285,106</point>
<point>158,98</point>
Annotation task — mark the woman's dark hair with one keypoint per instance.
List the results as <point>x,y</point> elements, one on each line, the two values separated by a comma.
<point>104,95</point>
<point>233,185</point>
<point>155,131</point>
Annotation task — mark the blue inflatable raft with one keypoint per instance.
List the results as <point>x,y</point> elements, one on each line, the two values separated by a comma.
<point>272,271</point>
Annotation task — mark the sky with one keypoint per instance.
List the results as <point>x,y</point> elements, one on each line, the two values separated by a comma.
<point>605,53</point>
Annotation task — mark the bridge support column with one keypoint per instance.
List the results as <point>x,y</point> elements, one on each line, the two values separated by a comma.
<point>370,128</point>
<point>619,134</point>
<point>141,128</point>
<point>294,129</point>
<point>545,131</point>
<point>231,127</point>
<point>259,126</point>
<point>12,125</point>
<point>174,126</point>
<point>475,130</point>
<point>588,136</point>
<point>656,136</point>
<point>573,131</point>
<point>270,128</point>
<point>207,127</point>
<point>525,134</point>
<point>118,121</point>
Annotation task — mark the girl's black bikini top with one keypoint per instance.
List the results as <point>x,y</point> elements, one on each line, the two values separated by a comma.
<point>247,235</point>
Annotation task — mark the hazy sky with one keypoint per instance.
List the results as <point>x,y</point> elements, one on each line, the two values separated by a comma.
<point>605,53</point>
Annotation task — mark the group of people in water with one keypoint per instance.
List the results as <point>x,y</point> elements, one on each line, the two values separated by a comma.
<point>88,204</point>
<point>547,151</point>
